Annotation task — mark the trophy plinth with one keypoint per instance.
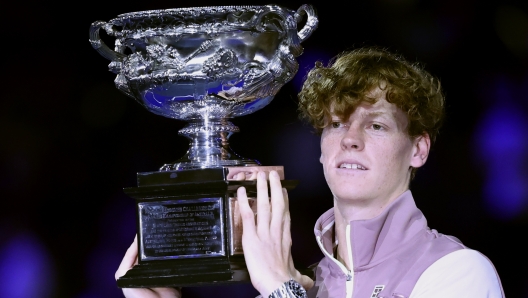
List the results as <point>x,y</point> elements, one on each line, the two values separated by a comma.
<point>205,66</point>
<point>190,229</point>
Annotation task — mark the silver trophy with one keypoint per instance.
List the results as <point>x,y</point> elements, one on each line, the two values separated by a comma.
<point>202,65</point>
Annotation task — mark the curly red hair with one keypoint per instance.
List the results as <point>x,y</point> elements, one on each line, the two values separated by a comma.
<point>352,75</point>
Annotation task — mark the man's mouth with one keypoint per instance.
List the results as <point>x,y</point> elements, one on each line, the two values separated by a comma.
<point>354,166</point>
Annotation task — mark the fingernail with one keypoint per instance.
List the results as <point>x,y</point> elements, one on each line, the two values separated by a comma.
<point>262,175</point>
<point>275,174</point>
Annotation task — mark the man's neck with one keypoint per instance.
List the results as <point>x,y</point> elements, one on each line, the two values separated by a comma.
<point>359,210</point>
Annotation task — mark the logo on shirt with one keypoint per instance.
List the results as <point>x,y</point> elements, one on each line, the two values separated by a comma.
<point>377,290</point>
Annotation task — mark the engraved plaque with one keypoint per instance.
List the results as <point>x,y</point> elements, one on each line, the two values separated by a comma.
<point>177,229</point>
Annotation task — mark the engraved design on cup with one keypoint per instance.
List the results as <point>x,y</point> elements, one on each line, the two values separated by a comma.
<point>205,65</point>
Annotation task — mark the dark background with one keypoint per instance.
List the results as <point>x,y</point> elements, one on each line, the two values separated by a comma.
<point>70,141</point>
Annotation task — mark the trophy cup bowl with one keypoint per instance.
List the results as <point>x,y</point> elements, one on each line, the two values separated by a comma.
<point>204,66</point>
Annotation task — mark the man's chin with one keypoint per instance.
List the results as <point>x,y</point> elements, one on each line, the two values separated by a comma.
<point>362,196</point>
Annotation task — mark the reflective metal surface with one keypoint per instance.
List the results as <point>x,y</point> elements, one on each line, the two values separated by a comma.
<point>205,65</point>
<point>178,229</point>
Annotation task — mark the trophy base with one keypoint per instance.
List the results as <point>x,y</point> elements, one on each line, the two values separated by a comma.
<point>184,274</point>
<point>189,227</point>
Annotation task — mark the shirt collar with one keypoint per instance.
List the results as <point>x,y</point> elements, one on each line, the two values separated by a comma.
<point>376,239</point>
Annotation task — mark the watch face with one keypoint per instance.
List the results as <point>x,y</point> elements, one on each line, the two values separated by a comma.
<point>289,289</point>
<point>297,289</point>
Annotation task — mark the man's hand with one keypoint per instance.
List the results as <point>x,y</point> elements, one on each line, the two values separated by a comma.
<point>129,260</point>
<point>267,241</point>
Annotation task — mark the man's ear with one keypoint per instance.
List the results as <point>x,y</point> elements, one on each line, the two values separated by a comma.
<point>420,152</point>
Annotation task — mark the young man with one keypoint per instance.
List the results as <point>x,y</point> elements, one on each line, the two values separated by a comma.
<point>378,116</point>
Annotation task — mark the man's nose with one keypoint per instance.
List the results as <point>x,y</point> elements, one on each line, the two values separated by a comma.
<point>353,139</point>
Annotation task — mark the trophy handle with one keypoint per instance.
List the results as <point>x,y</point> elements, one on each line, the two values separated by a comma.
<point>105,51</point>
<point>100,46</point>
<point>311,22</point>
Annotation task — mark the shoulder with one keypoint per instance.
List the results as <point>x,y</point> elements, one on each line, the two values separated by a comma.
<point>462,273</point>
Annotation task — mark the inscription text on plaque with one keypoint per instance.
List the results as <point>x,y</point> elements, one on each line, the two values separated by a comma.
<point>179,229</point>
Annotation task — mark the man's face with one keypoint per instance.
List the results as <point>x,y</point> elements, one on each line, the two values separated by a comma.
<point>367,157</point>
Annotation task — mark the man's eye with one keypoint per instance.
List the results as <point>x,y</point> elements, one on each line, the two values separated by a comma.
<point>377,127</point>
<point>336,124</point>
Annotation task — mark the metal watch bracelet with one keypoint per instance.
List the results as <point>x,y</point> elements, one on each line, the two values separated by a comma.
<point>289,289</point>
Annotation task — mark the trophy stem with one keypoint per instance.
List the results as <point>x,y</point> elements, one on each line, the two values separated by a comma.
<point>208,146</point>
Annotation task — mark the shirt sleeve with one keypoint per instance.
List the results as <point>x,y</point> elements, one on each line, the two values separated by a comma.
<point>463,273</point>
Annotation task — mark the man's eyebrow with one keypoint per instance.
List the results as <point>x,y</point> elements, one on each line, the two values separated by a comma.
<point>373,114</point>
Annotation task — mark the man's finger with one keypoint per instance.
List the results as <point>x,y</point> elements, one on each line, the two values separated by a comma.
<point>263,205</point>
<point>129,259</point>
<point>239,176</point>
<point>152,292</point>
<point>286,236</point>
<point>248,217</point>
<point>277,205</point>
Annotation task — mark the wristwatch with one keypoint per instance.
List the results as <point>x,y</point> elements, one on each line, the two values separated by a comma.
<point>289,289</point>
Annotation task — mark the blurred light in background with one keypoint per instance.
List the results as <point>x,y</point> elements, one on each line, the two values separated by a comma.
<point>116,230</point>
<point>501,148</point>
<point>26,270</point>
